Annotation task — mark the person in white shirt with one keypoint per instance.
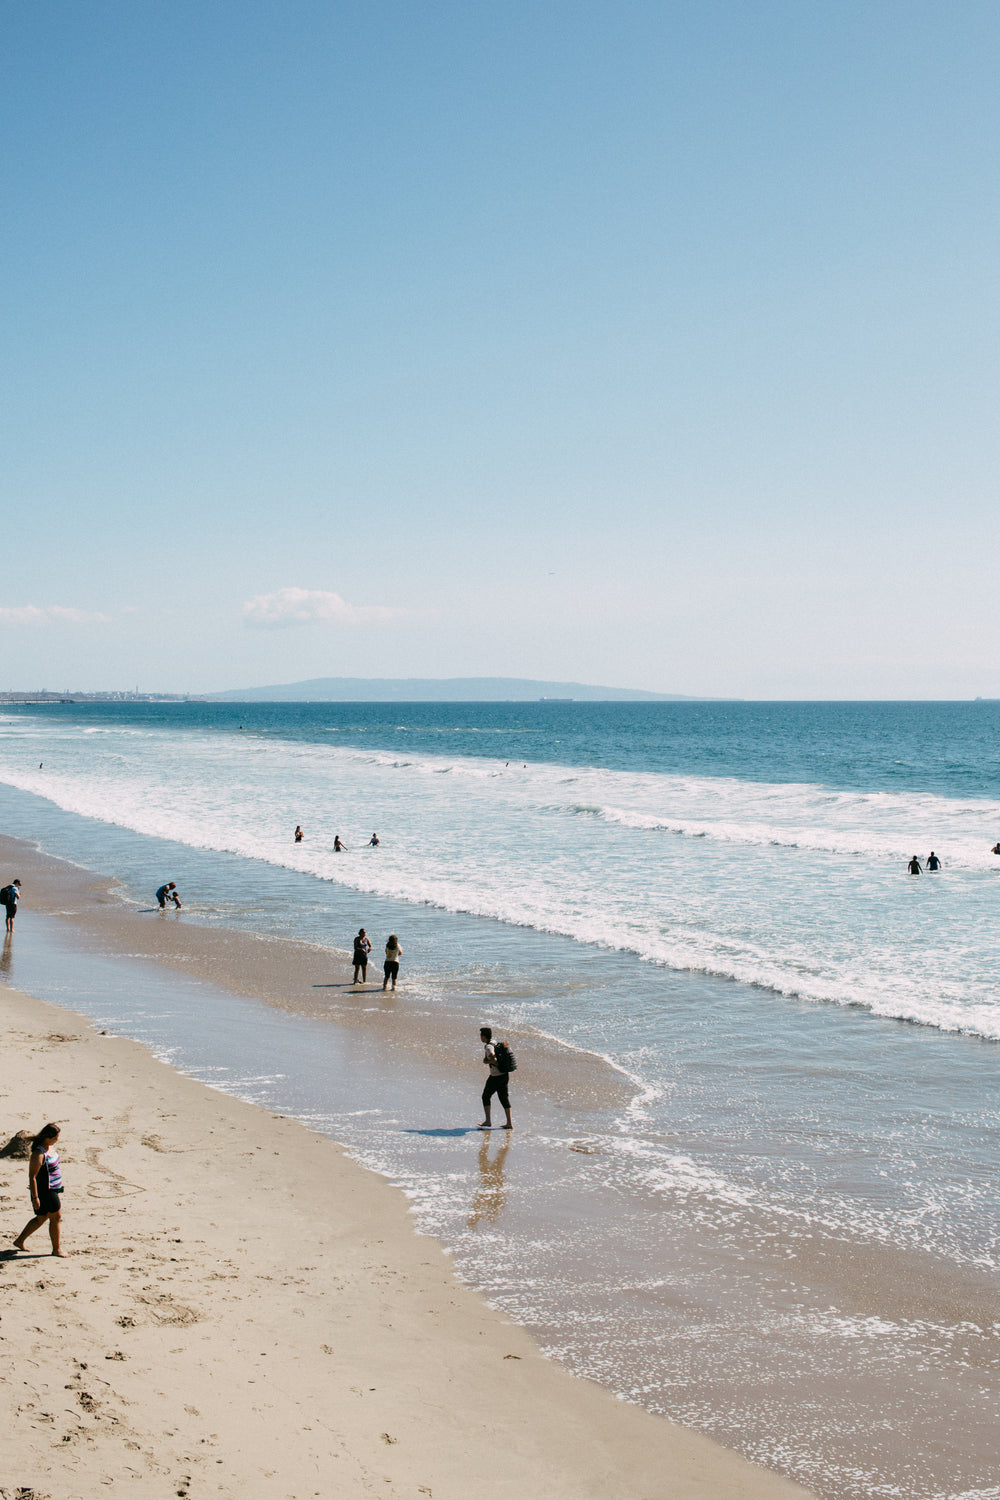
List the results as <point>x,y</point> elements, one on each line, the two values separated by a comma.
<point>496,1083</point>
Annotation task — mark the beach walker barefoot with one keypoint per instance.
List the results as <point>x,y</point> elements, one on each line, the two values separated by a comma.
<point>362,948</point>
<point>497,1081</point>
<point>45,1184</point>
<point>393,953</point>
<point>10,896</point>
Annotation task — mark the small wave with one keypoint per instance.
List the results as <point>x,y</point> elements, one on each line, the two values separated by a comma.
<point>849,843</point>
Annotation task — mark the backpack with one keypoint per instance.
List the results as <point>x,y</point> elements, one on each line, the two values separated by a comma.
<point>506,1061</point>
<point>7,895</point>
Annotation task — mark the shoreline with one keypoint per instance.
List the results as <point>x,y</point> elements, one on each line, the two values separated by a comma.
<point>736,1324</point>
<point>299,977</point>
<point>263,1317</point>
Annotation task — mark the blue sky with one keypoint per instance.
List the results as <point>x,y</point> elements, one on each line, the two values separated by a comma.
<point>645,344</point>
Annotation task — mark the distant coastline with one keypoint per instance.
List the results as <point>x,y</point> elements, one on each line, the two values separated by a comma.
<point>442,690</point>
<point>43,695</point>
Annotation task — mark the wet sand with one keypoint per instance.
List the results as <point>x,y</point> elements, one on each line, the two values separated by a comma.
<point>741,1324</point>
<point>246,1311</point>
<point>298,977</point>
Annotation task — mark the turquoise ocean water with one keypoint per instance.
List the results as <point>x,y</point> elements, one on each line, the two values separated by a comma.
<point>712,900</point>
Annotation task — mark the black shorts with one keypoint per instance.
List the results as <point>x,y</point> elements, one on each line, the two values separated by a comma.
<point>49,1202</point>
<point>496,1084</point>
<point>11,910</point>
<point>391,968</point>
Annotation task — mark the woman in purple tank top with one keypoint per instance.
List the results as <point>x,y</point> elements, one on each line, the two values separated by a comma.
<point>45,1183</point>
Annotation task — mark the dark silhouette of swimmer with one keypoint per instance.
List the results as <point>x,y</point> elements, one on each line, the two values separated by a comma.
<point>995,849</point>
<point>373,841</point>
<point>933,863</point>
<point>338,847</point>
<point>914,866</point>
<point>299,835</point>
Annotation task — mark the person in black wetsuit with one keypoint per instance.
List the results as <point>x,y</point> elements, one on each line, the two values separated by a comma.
<point>933,863</point>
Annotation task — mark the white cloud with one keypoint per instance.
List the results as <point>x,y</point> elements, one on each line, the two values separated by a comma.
<point>50,614</point>
<point>309,607</point>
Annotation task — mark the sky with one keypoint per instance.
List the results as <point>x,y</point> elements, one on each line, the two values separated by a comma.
<point>652,345</point>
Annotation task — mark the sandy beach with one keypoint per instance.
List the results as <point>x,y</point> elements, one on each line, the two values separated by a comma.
<point>333,1170</point>
<point>246,1312</point>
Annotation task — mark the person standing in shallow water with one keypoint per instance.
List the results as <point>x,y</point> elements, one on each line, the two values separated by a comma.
<point>393,953</point>
<point>11,895</point>
<point>362,948</point>
<point>914,866</point>
<point>496,1083</point>
<point>933,863</point>
<point>45,1184</point>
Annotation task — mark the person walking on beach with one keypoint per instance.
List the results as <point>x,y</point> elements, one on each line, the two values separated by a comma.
<point>914,866</point>
<point>10,896</point>
<point>167,893</point>
<point>362,948</point>
<point>393,953</point>
<point>299,835</point>
<point>46,1185</point>
<point>497,1081</point>
<point>933,863</point>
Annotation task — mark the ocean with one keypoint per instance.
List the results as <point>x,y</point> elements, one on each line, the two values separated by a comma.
<point>754,1182</point>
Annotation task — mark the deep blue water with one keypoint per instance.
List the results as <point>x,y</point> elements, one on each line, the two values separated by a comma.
<point>951,749</point>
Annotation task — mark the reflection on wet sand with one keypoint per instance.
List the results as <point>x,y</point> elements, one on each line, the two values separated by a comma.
<point>491,1194</point>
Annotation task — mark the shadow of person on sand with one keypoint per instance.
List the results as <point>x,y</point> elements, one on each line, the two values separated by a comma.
<point>443,1130</point>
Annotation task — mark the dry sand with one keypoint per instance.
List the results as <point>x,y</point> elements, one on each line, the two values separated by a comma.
<point>245,1312</point>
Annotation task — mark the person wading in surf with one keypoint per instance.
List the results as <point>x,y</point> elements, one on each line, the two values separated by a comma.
<point>496,1083</point>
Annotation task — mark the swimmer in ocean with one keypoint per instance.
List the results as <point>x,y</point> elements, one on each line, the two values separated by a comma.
<point>933,863</point>
<point>338,847</point>
<point>299,835</point>
<point>373,841</point>
<point>914,866</point>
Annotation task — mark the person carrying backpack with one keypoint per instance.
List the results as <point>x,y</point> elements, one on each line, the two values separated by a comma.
<point>10,896</point>
<point>498,1057</point>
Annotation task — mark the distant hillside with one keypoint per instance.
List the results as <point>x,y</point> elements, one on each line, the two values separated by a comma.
<point>437,690</point>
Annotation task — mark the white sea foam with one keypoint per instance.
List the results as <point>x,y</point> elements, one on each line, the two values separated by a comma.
<point>796,887</point>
